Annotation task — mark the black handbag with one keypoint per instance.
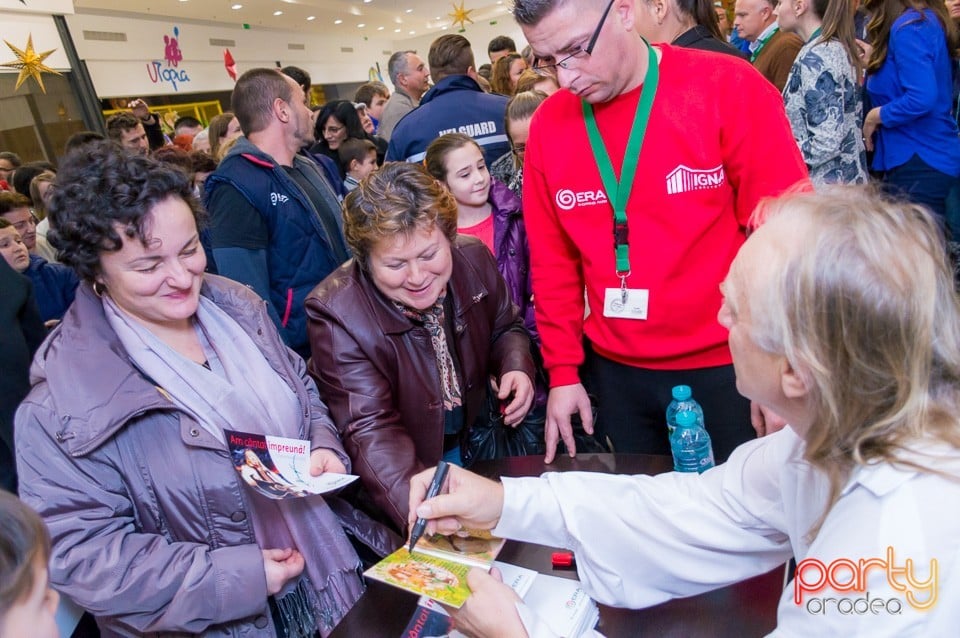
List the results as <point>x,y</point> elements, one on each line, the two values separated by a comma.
<point>489,438</point>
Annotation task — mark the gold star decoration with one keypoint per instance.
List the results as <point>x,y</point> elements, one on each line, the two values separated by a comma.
<point>30,63</point>
<point>460,15</point>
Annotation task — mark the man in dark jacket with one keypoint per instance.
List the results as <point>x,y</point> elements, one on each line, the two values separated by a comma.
<point>456,104</point>
<point>21,333</point>
<point>275,218</point>
<point>138,131</point>
<point>54,285</point>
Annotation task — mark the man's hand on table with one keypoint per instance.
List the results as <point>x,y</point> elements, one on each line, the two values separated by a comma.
<point>562,402</point>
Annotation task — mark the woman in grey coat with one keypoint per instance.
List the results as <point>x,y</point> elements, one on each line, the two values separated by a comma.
<point>121,444</point>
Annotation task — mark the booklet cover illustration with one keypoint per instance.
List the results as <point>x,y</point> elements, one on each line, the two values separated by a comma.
<point>442,580</point>
<point>278,467</point>
<point>438,566</point>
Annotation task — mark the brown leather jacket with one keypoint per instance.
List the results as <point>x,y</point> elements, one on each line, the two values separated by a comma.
<point>377,372</point>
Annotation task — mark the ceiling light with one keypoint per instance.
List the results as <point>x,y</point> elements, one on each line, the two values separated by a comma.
<point>412,32</point>
<point>444,28</point>
<point>309,18</point>
<point>237,6</point>
<point>338,21</point>
<point>361,25</point>
<point>278,13</point>
<point>409,11</point>
<point>396,30</point>
<point>379,28</point>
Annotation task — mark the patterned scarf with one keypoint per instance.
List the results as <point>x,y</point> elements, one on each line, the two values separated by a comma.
<point>433,320</point>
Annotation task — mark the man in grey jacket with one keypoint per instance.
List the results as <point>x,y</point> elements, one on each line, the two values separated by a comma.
<point>411,77</point>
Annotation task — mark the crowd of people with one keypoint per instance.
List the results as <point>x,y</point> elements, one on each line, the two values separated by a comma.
<point>372,275</point>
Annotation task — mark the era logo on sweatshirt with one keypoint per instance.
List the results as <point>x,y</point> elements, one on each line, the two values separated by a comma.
<point>566,199</point>
<point>683,179</point>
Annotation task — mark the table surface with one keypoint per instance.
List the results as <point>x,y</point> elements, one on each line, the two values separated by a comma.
<point>742,610</point>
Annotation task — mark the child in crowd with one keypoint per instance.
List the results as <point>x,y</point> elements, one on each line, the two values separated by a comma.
<point>358,158</point>
<point>488,211</point>
<point>54,284</point>
<point>27,603</point>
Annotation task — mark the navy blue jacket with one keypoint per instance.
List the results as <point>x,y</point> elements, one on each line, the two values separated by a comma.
<point>54,286</point>
<point>300,254</point>
<point>456,104</point>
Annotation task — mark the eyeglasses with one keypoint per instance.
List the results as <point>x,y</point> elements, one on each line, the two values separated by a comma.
<point>518,149</point>
<point>564,63</point>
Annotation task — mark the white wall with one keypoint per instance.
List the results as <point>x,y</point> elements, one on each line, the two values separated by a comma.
<point>129,68</point>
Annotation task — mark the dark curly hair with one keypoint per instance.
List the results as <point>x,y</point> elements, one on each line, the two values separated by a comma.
<point>102,190</point>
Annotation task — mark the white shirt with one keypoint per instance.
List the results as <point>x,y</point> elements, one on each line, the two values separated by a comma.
<point>766,33</point>
<point>643,540</point>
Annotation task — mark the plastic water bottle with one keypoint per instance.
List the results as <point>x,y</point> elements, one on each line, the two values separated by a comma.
<point>682,400</point>
<point>690,444</point>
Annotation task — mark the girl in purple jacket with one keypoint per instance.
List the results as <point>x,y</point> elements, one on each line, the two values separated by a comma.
<point>487,210</point>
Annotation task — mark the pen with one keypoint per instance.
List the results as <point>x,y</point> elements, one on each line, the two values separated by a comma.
<point>438,476</point>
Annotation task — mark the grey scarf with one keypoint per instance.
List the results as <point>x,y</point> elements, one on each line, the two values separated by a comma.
<point>245,393</point>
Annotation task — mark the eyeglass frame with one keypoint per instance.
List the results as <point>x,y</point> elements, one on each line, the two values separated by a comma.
<point>544,69</point>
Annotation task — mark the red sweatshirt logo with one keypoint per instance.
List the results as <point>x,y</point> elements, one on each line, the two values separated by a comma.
<point>683,179</point>
<point>566,199</point>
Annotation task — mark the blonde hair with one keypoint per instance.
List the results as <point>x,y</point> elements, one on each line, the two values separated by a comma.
<point>865,312</point>
<point>39,205</point>
<point>24,543</point>
<point>225,148</point>
<point>500,74</point>
<point>397,199</point>
<point>529,80</point>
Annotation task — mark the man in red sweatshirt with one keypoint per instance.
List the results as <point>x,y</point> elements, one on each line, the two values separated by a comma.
<point>647,218</point>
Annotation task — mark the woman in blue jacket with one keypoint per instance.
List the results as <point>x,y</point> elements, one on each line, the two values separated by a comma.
<point>909,84</point>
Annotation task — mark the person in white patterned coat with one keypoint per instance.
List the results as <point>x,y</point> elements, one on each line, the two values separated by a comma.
<point>822,95</point>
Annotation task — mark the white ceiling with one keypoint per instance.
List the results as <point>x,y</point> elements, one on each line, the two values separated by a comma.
<point>391,19</point>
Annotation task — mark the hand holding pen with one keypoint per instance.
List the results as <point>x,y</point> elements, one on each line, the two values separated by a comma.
<point>439,475</point>
<point>470,501</point>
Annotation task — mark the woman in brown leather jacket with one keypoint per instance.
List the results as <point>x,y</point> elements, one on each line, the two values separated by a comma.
<point>405,335</point>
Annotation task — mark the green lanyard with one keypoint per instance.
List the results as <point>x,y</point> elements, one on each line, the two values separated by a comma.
<point>815,34</point>
<point>619,192</point>
<point>762,44</point>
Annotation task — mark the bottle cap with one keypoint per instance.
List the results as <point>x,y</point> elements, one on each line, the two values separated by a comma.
<point>682,392</point>
<point>562,560</point>
<point>686,418</point>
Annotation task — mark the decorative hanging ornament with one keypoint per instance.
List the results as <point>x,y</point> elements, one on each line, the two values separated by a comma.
<point>460,15</point>
<point>230,64</point>
<point>30,63</point>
